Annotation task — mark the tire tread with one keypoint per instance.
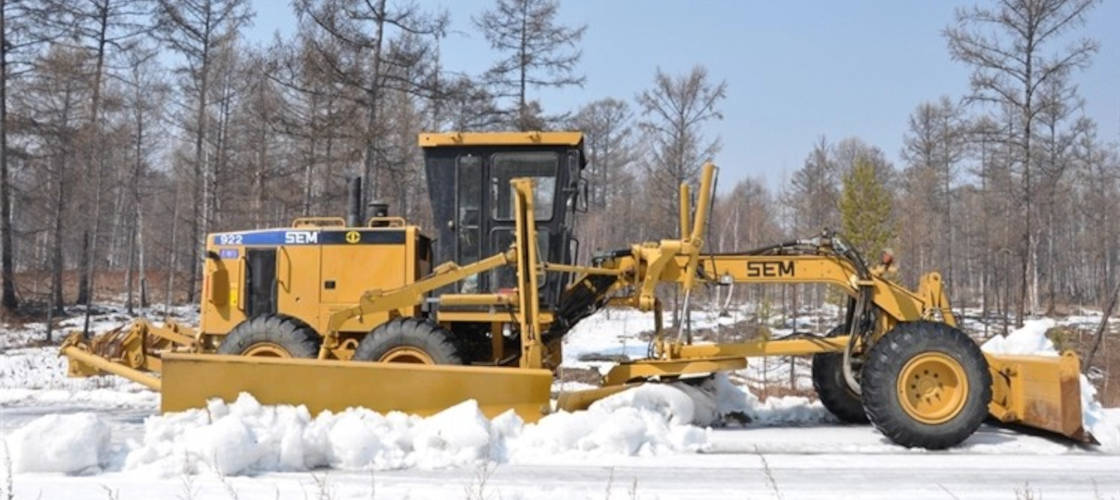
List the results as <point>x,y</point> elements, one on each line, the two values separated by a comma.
<point>879,384</point>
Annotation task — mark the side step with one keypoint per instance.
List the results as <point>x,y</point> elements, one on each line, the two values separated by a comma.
<point>188,380</point>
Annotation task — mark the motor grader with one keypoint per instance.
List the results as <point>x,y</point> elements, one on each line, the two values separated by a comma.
<point>333,313</point>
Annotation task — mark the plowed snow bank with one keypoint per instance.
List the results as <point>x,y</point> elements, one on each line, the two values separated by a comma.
<point>75,443</point>
<point>245,436</point>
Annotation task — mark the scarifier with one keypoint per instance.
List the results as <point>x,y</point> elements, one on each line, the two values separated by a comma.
<point>334,313</point>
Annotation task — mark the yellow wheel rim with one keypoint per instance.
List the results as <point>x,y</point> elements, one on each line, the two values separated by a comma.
<point>932,388</point>
<point>267,350</point>
<point>407,354</point>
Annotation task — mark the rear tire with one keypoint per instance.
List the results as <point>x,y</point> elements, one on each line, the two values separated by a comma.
<point>409,340</point>
<point>274,335</point>
<point>832,389</point>
<point>926,384</point>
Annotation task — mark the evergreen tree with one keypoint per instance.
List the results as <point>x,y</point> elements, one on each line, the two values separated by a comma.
<point>865,209</point>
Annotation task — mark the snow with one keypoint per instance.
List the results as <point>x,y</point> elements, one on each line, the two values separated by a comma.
<point>76,443</point>
<point>1028,340</point>
<point>647,420</point>
<point>692,439</point>
<point>247,437</point>
<point>36,374</point>
<point>1103,425</point>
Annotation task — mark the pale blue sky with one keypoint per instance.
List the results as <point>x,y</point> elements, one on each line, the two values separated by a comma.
<point>794,70</point>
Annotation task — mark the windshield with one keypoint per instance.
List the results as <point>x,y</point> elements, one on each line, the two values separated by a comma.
<point>540,166</point>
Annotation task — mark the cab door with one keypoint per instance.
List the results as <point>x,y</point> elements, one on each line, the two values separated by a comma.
<point>541,167</point>
<point>468,222</point>
<point>260,281</point>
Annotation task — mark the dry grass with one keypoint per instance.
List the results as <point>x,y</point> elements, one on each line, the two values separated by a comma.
<point>9,477</point>
<point>1106,364</point>
<point>781,389</point>
<point>610,483</point>
<point>188,489</point>
<point>1027,493</point>
<point>741,331</point>
<point>581,375</point>
<point>323,488</point>
<point>33,289</point>
<point>478,488</point>
<point>110,493</point>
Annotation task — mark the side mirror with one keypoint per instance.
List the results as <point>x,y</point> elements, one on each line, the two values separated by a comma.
<point>582,192</point>
<point>573,254</point>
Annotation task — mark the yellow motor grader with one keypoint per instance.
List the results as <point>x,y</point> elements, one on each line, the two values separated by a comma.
<point>333,313</point>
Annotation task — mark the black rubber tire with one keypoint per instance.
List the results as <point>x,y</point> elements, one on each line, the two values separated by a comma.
<point>832,389</point>
<point>879,384</point>
<point>436,342</point>
<point>291,334</point>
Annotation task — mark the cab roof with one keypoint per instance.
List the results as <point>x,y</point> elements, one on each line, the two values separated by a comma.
<point>533,138</point>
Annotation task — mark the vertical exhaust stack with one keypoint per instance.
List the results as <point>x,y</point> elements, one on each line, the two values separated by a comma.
<point>354,214</point>
<point>378,208</point>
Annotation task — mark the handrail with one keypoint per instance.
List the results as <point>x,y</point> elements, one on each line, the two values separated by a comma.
<point>319,222</point>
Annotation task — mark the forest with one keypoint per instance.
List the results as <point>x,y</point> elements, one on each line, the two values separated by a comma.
<point>132,128</point>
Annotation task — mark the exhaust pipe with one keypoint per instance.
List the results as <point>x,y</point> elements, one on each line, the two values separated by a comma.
<point>354,214</point>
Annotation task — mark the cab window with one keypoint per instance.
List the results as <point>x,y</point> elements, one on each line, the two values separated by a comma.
<point>506,276</point>
<point>540,166</point>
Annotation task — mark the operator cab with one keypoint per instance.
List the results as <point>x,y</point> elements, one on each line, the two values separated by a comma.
<point>472,204</point>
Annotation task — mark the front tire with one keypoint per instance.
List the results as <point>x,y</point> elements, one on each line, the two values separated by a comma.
<point>274,335</point>
<point>832,389</point>
<point>926,384</point>
<point>409,340</point>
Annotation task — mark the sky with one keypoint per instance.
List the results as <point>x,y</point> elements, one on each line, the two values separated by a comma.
<point>795,71</point>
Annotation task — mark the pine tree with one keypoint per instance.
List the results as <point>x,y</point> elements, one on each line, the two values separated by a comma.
<point>865,209</point>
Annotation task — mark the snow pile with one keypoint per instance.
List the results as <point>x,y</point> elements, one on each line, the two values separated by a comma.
<point>1028,340</point>
<point>1103,425</point>
<point>1031,340</point>
<point>74,443</point>
<point>647,420</point>
<point>786,410</point>
<point>245,436</point>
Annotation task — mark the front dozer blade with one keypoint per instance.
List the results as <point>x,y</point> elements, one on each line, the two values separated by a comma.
<point>1043,392</point>
<point>191,379</point>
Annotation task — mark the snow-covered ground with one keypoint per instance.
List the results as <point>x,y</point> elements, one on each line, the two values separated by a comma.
<point>102,438</point>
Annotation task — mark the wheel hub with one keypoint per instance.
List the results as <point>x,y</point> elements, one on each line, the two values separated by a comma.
<point>267,350</point>
<point>932,388</point>
<point>407,354</point>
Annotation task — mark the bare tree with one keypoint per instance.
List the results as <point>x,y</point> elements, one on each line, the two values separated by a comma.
<point>58,86</point>
<point>196,30</point>
<point>1011,69</point>
<point>21,33</point>
<point>96,27</point>
<point>674,113</point>
<point>144,101</point>
<point>609,146</point>
<point>1058,105</point>
<point>608,142</point>
<point>537,52</point>
<point>934,146</point>
<point>364,61</point>
<point>814,190</point>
